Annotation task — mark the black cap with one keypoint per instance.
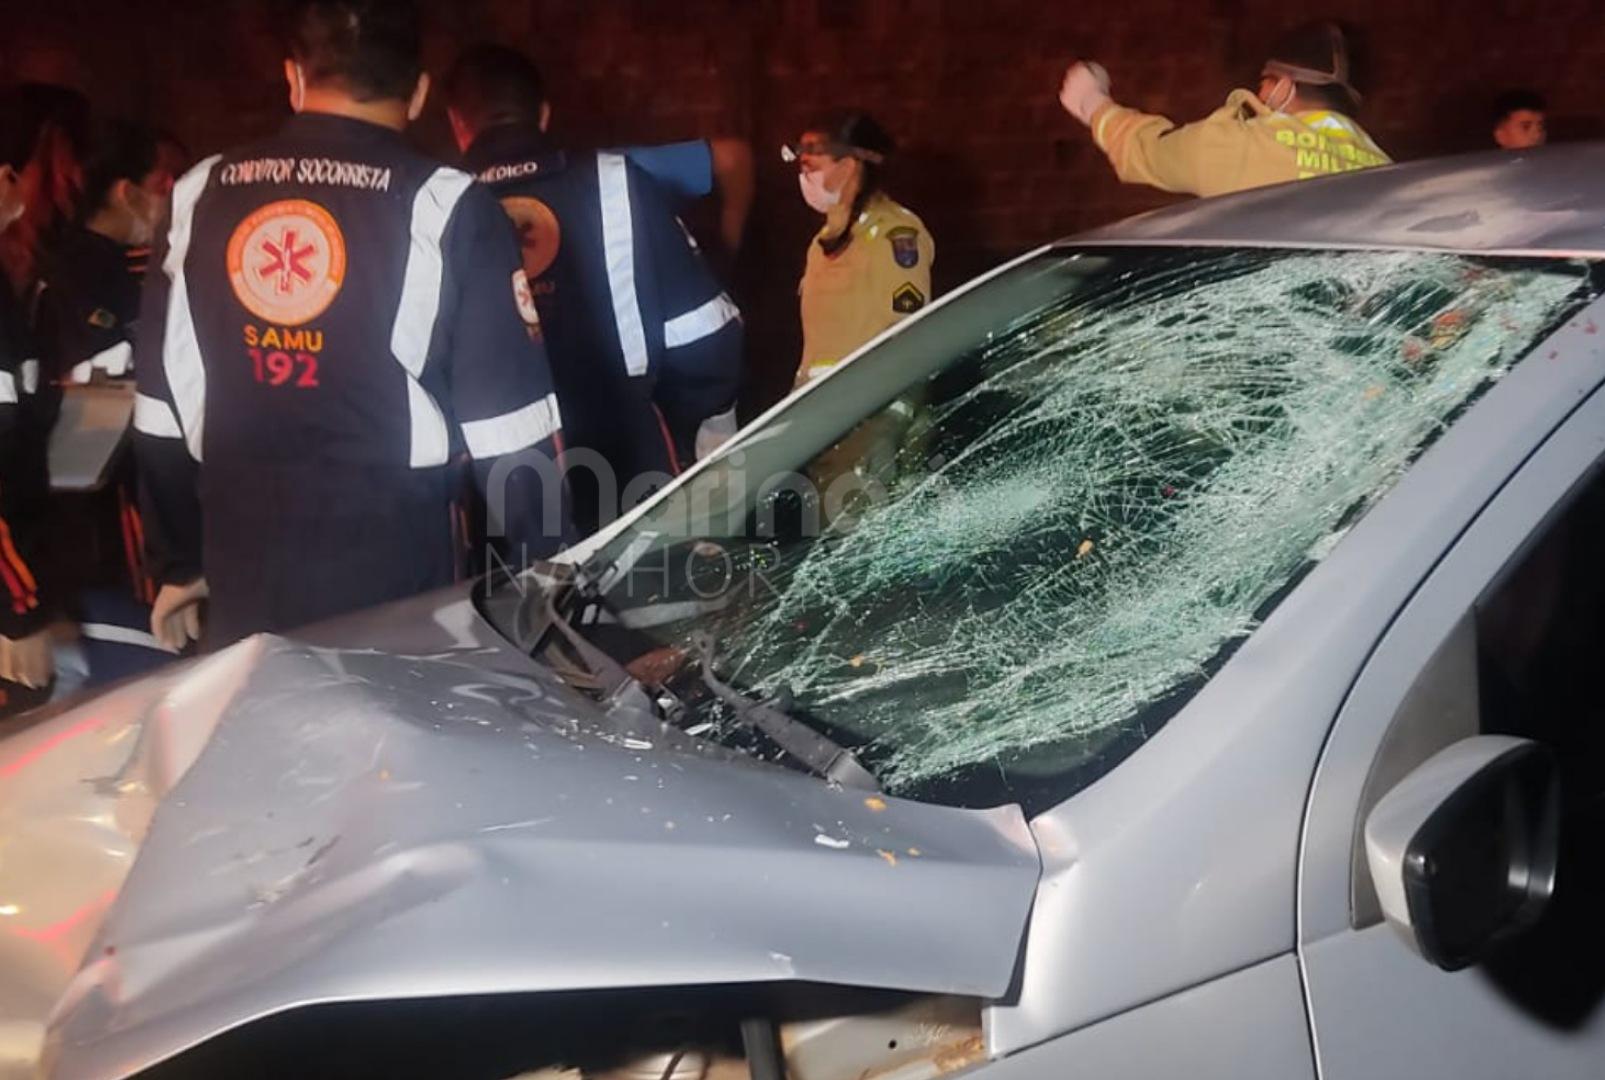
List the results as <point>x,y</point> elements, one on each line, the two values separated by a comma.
<point>1315,54</point>
<point>855,134</point>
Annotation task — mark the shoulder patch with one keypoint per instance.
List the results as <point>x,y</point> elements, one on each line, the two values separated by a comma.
<point>907,299</point>
<point>905,243</point>
<point>524,297</point>
<point>102,319</point>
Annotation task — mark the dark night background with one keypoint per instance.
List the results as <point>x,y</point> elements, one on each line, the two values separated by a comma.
<point>969,88</point>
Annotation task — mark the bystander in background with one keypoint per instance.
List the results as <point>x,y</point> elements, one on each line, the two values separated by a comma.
<point>1520,121</point>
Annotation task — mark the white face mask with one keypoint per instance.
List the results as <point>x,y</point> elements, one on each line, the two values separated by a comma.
<point>1282,95</point>
<point>298,91</point>
<point>815,193</point>
<point>141,231</point>
<point>142,212</point>
<point>12,205</point>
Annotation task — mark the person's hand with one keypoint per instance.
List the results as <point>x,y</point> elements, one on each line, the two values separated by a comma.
<point>1085,90</point>
<point>175,620</point>
<point>736,179</point>
<point>715,432</point>
<point>28,661</point>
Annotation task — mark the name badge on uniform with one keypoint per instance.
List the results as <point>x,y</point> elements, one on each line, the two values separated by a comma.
<point>905,247</point>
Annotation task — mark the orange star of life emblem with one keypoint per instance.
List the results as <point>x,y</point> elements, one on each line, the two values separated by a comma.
<point>539,234</point>
<point>287,261</point>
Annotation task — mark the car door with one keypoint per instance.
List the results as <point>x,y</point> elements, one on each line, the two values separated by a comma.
<point>1505,636</point>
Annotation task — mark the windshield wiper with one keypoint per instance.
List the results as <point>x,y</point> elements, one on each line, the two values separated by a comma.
<point>820,754</point>
<point>817,752</point>
<point>613,679</point>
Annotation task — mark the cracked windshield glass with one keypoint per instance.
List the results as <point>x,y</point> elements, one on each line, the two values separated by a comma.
<point>993,557</point>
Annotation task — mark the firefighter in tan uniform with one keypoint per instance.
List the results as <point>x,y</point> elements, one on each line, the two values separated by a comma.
<point>1300,124</point>
<point>870,266</point>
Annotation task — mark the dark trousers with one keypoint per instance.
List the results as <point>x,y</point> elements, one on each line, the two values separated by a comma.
<point>290,546</point>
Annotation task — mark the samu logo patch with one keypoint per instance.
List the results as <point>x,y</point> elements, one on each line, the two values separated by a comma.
<point>287,262</point>
<point>540,235</point>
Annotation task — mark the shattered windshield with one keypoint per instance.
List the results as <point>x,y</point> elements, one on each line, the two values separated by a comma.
<point>995,556</point>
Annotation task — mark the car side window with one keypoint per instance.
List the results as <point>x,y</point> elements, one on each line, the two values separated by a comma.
<point>1540,631</point>
<point>1526,660</point>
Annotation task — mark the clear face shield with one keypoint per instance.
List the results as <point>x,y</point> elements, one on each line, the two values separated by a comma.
<point>810,146</point>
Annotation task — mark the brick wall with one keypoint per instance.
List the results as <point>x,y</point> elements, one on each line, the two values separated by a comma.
<point>968,86</point>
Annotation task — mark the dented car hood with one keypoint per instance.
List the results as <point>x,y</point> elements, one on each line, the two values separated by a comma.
<point>284,824</point>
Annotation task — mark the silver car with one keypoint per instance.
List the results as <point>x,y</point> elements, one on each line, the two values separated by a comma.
<point>1175,653</point>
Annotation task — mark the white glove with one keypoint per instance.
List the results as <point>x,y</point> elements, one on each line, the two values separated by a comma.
<point>715,432</point>
<point>1085,90</point>
<point>28,661</point>
<point>175,620</point>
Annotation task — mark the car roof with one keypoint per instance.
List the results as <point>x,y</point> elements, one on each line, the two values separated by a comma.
<point>1540,202</point>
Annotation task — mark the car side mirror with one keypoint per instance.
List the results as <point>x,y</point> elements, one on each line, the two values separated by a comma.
<point>1463,850</point>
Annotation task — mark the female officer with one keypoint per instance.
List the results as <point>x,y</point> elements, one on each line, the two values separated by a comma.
<point>90,298</point>
<point>870,265</point>
<point>85,314</point>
